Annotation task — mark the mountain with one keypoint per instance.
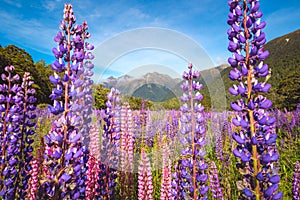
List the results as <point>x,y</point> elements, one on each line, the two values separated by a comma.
<point>284,56</point>
<point>129,84</point>
<point>284,61</point>
<point>154,92</point>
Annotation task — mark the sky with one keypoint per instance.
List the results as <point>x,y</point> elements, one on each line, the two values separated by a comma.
<point>130,35</point>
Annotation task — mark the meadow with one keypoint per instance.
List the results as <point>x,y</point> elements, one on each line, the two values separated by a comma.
<point>71,150</point>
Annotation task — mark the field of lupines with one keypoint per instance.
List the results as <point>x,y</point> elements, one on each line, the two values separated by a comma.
<point>71,151</point>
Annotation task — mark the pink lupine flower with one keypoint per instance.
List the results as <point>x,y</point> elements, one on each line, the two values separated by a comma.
<point>33,181</point>
<point>145,187</point>
<point>165,191</point>
<point>127,153</point>
<point>92,177</point>
<point>94,144</point>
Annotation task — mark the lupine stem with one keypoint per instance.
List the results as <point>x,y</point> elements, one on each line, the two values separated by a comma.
<point>193,140</point>
<point>61,161</point>
<point>249,97</point>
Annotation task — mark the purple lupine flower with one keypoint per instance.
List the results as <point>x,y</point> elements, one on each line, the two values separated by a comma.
<point>127,153</point>
<point>256,147</point>
<point>216,126</point>
<point>62,159</point>
<point>193,138</point>
<point>217,192</point>
<point>109,154</point>
<point>178,183</point>
<point>145,187</point>
<point>8,132</point>
<point>296,182</point>
<point>143,117</point>
<point>67,143</point>
<point>148,130</point>
<point>17,129</point>
<point>27,132</point>
<point>172,125</point>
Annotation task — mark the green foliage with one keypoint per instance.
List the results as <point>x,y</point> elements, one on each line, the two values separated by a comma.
<point>170,104</point>
<point>289,151</point>
<point>289,89</point>
<point>100,96</point>
<point>136,102</point>
<point>22,61</point>
<point>284,60</point>
<point>43,126</point>
<point>44,87</point>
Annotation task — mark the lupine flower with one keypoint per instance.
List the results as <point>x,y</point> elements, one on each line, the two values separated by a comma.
<point>148,130</point>
<point>94,145</point>
<point>143,117</point>
<point>109,156</point>
<point>217,192</point>
<point>178,182</point>
<point>172,125</point>
<point>17,128</point>
<point>256,140</point>
<point>296,182</point>
<point>216,126</point>
<point>145,187</point>
<point>67,142</point>
<point>33,182</point>
<point>127,153</point>
<point>193,132</point>
<point>165,190</point>
<point>9,131</point>
<point>27,131</point>
<point>92,177</point>
<point>62,152</point>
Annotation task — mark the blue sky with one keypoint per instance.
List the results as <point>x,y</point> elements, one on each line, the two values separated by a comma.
<point>32,25</point>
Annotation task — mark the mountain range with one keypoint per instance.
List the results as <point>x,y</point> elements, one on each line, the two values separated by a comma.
<point>284,59</point>
<point>163,86</point>
<point>284,63</point>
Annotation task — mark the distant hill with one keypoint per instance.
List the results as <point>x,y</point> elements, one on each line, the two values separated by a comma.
<point>284,56</point>
<point>154,92</point>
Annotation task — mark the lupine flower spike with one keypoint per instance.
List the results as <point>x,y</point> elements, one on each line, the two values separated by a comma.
<point>193,132</point>
<point>256,138</point>
<point>66,148</point>
<point>16,130</point>
<point>296,182</point>
<point>165,190</point>
<point>109,154</point>
<point>145,187</point>
<point>216,190</point>
<point>127,153</point>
